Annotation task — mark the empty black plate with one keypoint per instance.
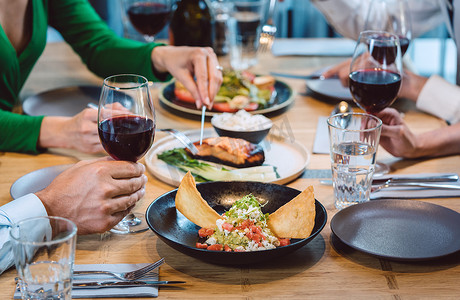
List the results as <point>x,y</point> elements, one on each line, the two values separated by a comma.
<point>181,234</point>
<point>399,229</point>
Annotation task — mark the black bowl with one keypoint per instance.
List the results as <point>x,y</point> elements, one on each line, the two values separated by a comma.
<point>254,137</point>
<point>181,234</point>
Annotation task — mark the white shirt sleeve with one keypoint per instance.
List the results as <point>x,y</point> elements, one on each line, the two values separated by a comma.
<point>348,16</point>
<point>22,208</point>
<point>440,98</point>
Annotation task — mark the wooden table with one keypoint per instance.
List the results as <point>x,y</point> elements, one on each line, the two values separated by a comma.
<point>319,270</point>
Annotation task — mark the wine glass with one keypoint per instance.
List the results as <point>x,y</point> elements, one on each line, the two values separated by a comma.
<point>148,17</point>
<point>391,16</point>
<point>375,75</point>
<point>126,125</point>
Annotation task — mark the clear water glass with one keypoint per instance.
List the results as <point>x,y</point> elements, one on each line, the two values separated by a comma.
<point>354,138</point>
<point>44,254</point>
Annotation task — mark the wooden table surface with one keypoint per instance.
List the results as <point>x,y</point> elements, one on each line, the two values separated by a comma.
<point>321,269</point>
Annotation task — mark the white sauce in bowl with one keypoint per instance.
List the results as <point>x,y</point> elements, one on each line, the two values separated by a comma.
<point>241,121</point>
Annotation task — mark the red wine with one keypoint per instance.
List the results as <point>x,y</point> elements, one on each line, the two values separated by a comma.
<point>374,90</point>
<point>383,52</point>
<point>148,17</point>
<point>404,42</point>
<point>127,137</point>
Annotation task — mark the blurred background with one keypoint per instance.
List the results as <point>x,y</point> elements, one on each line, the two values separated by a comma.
<point>433,53</point>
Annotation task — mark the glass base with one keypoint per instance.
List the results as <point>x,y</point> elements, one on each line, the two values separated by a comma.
<point>132,223</point>
<point>381,169</point>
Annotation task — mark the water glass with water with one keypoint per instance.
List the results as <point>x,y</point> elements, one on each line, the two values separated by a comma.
<point>354,138</point>
<point>44,253</point>
<point>245,25</point>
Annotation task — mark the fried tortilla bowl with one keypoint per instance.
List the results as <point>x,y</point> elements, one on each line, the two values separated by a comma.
<point>294,219</point>
<point>174,229</point>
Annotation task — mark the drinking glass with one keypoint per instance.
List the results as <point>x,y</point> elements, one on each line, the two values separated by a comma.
<point>126,123</point>
<point>391,16</point>
<point>375,74</point>
<point>245,25</point>
<point>148,17</point>
<point>44,254</point>
<point>354,138</point>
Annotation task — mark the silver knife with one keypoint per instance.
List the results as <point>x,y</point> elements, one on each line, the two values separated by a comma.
<point>109,284</point>
<point>448,177</point>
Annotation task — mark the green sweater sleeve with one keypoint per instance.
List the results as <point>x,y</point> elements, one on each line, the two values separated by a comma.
<point>18,132</point>
<point>100,48</point>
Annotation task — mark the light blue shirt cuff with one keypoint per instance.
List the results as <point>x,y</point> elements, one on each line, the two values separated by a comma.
<point>22,208</point>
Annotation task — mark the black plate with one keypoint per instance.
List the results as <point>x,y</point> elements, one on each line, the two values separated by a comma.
<point>284,96</point>
<point>399,229</point>
<point>181,234</point>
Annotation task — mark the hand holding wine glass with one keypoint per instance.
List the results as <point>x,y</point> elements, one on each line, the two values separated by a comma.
<point>126,124</point>
<point>148,17</point>
<point>375,74</point>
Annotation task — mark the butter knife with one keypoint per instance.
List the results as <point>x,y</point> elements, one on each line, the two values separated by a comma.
<point>447,177</point>
<point>121,284</point>
<point>299,76</point>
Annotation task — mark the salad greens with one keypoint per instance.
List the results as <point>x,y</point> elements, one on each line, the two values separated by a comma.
<point>203,171</point>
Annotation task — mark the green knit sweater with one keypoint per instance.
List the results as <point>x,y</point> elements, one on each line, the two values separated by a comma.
<point>100,49</point>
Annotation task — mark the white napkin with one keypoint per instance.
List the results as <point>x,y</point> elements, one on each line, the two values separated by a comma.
<point>321,144</point>
<point>414,192</point>
<point>116,292</point>
<point>314,47</point>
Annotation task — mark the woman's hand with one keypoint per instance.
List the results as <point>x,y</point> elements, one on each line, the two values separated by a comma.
<point>78,132</point>
<point>95,194</point>
<point>194,67</point>
<point>396,137</point>
<point>341,70</point>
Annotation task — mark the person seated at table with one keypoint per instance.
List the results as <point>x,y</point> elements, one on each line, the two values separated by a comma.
<point>433,95</point>
<point>23,38</point>
<point>94,194</point>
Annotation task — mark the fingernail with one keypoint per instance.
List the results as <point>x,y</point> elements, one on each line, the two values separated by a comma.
<point>144,177</point>
<point>198,104</point>
<point>207,101</point>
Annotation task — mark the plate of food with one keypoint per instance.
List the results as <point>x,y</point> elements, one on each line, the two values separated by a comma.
<point>403,230</point>
<point>275,159</point>
<point>239,90</point>
<point>236,222</point>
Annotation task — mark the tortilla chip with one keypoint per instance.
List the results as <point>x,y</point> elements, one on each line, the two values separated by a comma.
<point>296,218</point>
<point>190,203</point>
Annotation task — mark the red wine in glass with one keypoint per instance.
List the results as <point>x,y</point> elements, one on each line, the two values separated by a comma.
<point>149,18</point>
<point>374,89</point>
<point>404,42</point>
<point>127,137</point>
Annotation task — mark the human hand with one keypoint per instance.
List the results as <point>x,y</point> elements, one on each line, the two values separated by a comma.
<point>412,85</point>
<point>78,132</point>
<point>396,137</point>
<point>194,67</point>
<point>341,70</point>
<point>95,194</point>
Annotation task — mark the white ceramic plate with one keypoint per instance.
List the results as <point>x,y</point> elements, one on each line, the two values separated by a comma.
<point>329,87</point>
<point>35,181</point>
<point>290,158</point>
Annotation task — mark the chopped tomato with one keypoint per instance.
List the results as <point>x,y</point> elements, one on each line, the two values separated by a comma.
<point>225,107</point>
<point>184,95</point>
<point>228,227</point>
<point>284,242</point>
<point>227,248</point>
<point>215,247</point>
<point>205,232</point>
<point>245,224</point>
<point>248,75</point>
<point>201,246</point>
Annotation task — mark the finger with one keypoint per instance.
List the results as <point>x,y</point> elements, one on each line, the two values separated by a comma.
<point>215,78</point>
<point>391,131</point>
<point>124,169</point>
<point>125,202</point>
<point>201,74</point>
<point>126,186</point>
<point>187,80</point>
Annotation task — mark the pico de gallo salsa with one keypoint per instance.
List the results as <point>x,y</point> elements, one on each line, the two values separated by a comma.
<point>242,228</point>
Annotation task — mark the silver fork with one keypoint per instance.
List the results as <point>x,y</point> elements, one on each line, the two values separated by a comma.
<point>182,138</point>
<point>267,36</point>
<point>133,275</point>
